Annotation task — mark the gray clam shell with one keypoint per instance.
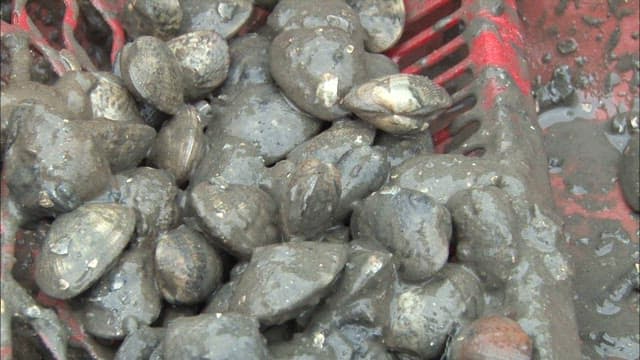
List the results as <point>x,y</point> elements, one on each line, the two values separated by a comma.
<point>151,72</point>
<point>81,246</point>
<point>204,58</point>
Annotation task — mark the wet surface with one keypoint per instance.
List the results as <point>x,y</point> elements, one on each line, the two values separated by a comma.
<point>593,177</point>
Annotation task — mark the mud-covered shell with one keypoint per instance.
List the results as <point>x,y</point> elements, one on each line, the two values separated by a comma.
<point>249,56</point>
<point>237,218</point>
<point>160,18</point>
<point>315,68</point>
<point>125,143</point>
<point>204,58</point>
<point>188,269</point>
<point>53,165</point>
<point>308,14</point>
<point>382,20</point>
<point>179,145</point>
<point>81,246</point>
<point>111,100</point>
<point>126,295</point>
<point>225,17</point>
<point>311,200</point>
<point>152,73</point>
<point>398,103</point>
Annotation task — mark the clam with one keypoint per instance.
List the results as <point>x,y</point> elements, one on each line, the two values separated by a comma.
<point>111,100</point>
<point>160,18</point>
<point>215,336</point>
<point>225,17</point>
<point>125,298</point>
<point>249,56</point>
<point>231,159</point>
<point>152,73</point>
<point>315,68</point>
<point>260,115</point>
<point>399,103</point>
<point>298,14</point>
<point>188,269</point>
<point>411,225</point>
<point>53,165</point>
<point>204,58</point>
<point>179,144</point>
<point>81,246</point>
<point>382,20</point>
<point>125,144</point>
<point>152,193</point>
<point>237,218</point>
<point>311,200</point>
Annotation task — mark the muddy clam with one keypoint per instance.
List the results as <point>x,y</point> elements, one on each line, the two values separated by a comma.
<point>399,103</point>
<point>225,17</point>
<point>382,20</point>
<point>204,59</point>
<point>152,73</point>
<point>315,68</point>
<point>161,18</point>
<point>188,269</point>
<point>179,145</point>
<point>81,246</point>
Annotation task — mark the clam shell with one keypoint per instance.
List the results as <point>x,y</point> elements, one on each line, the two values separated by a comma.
<point>237,218</point>
<point>311,200</point>
<point>382,20</point>
<point>111,100</point>
<point>125,144</point>
<point>179,144</point>
<point>188,269</point>
<point>81,246</point>
<point>315,68</point>
<point>161,18</point>
<point>297,14</point>
<point>152,73</point>
<point>225,17</point>
<point>125,294</point>
<point>204,58</point>
<point>398,103</point>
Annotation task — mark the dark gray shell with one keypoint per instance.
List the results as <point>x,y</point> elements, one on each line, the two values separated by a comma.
<point>179,145</point>
<point>249,55</point>
<point>204,58</point>
<point>111,100</point>
<point>81,246</point>
<point>311,200</point>
<point>160,18</point>
<point>398,103</point>
<point>53,166</point>
<point>225,17</point>
<point>125,144</point>
<point>308,14</point>
<point>237,218</point>
<point>126,294</point>
<point>152,73</point>
<point>315,68</point>
<point>382,20</point>
<point>261,115</point>
<point>188,269</point>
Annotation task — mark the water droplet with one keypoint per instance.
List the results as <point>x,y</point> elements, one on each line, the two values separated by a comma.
<point>349,48</point>
<point>92,264</point>
<point>32,311</point>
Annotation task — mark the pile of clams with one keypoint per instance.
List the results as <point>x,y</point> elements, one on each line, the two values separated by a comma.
<point>225,196</point>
